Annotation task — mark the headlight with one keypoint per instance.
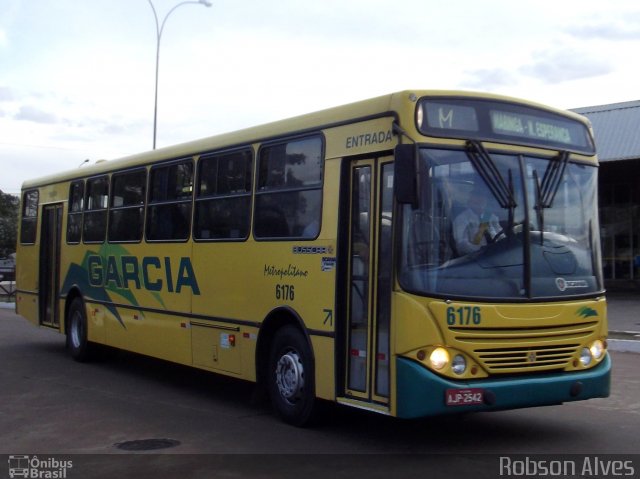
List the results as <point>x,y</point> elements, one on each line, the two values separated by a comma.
<point>420,116</point>
<point>597,349</point>
<point>439,358</point>
<point>459,364</point>
<point>585,356</point>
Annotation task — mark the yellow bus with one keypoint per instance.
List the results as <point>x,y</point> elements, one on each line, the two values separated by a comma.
<point>416,254</point>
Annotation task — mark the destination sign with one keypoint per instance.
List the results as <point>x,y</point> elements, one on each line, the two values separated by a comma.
<point>502,122</point>
<point>529,126</point>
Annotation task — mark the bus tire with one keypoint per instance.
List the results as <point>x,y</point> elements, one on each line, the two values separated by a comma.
<point>77,343</point>
<point>291,378</point>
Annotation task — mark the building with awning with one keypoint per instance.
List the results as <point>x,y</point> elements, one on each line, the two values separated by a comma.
<point>617,134</point>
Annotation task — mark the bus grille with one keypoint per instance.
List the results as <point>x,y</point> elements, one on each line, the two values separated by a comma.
<point>510,350</point>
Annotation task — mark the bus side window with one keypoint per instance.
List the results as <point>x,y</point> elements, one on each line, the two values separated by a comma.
<point>94,227</point>
<point>289,192</point>
<point>223,198</point>
<point>169,209</point>
<point>29,223</point>
<point>74,219</point>
<point>126,212</point>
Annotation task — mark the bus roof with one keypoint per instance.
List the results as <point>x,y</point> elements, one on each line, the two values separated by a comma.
<point>370,108</point>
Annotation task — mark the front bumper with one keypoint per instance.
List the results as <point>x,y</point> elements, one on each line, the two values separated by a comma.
<point>422,393</point>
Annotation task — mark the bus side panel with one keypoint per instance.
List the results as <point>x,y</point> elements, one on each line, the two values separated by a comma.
<point>242,283</point>
<point>127,288</point>
<point>27,271</point>
<point>27,305</point>
<point>157,282</point>
<point>74,275</point>
<point>28,257</point>
<point>323,349</point>
<point>27,281</point>
<point>221,340</point>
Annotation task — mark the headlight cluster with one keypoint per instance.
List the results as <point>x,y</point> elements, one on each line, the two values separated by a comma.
<point>594,352</point>
<point>440,359</point>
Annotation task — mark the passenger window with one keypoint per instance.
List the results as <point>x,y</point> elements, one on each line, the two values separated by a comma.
<point>289,193</point>
<point>169,210</point>
<point>94,227</point>
<point>126,212</point>
<point>29,222</point>
<point>74,218</point>
<point>223,201</point>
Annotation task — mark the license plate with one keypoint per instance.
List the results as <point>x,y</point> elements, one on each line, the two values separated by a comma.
<point>464,397</point>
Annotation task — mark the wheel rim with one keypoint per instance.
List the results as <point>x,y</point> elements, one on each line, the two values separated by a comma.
<point>76,330</point>
<point>290,376</point>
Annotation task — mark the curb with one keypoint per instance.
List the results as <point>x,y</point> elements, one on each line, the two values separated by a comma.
<point>624,345</point>
<point>624,341</point>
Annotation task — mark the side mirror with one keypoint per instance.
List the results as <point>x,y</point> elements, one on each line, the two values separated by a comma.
<point>405,175</point>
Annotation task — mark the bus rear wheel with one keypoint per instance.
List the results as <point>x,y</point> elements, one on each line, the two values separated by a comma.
<point>291,377</point>
<point>77,343</point>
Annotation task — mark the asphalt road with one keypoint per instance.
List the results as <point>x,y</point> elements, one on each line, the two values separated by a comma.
<point>50,404</point>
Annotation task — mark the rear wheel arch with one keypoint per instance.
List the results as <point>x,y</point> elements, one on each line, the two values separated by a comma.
<point>285,367</point>
<point>275,320</point>
<point>76,329</point>
<point>71,296</point>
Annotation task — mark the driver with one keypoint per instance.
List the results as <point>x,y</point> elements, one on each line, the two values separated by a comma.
<point>475,227</point>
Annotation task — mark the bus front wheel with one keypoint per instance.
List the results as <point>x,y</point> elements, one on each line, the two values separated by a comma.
<point>77,343</point>
<point>291,377</point>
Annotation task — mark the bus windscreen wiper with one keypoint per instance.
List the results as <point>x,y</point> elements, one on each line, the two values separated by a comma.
<point>488,171</point>
<point>547,188</point>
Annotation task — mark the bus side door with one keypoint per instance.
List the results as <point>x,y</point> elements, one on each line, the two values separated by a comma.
<point>369,280</point>
<point>49,283</point>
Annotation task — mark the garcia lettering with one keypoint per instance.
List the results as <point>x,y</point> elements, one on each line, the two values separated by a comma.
<point>150,272</point>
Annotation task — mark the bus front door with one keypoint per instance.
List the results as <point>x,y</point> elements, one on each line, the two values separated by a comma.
<point>50,237</point>
<point>369,281</point>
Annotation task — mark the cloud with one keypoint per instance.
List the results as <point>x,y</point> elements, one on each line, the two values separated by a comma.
<point>488,79</point>
<point>3,38</point>
<point>30,113</point>
<point>560,65</point>
<point>114,129</point>
<point>613,31</point>
<point>6,94</point>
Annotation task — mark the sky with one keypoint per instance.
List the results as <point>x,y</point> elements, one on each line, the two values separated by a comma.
<point>77,77</point>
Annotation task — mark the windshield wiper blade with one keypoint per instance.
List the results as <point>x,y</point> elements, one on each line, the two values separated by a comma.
<point>547,189</point>
<point>488,171</point>
<point>552,178</point>
<point>538,207</point>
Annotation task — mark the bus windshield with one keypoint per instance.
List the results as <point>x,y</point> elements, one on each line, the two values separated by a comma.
<point>501,226</point>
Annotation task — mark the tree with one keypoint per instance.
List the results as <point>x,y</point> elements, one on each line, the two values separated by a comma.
<point>9,205</point>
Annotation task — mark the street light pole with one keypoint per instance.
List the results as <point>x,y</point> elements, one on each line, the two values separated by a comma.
<point>159,30</point>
